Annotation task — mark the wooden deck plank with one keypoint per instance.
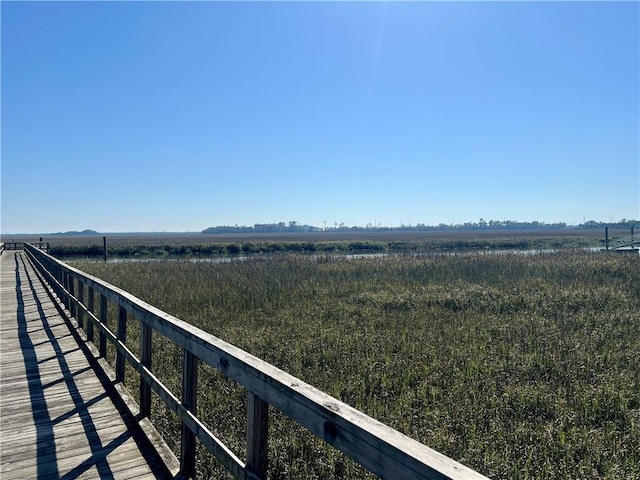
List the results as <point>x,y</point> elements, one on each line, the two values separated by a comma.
<point>81,467</point>
<point>56,418</point>
<point>76,452</point>
<point>65,428</point>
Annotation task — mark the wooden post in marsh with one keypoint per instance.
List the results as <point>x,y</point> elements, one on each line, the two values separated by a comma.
<point>606,237</point>
<point>104,248</point>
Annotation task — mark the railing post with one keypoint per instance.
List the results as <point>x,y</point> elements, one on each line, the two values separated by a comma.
<point>189,395</point>
<point>80,298</point>
<point>257,435</point>
<point>55,273</point>
<point>62,278</point>
<point>70,288</point>
<point>91,308</point>
<point>122,336</point>
<point>145,358</point>
<point>103,320</point>
<point>65,288</point>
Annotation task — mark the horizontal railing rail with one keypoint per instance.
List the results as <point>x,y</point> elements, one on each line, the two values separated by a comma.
<point>20,245</point>
<point>379,448</point>
<point>624,242</point>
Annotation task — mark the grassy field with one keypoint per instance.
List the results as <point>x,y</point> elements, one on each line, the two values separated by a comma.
<point>519,366</point>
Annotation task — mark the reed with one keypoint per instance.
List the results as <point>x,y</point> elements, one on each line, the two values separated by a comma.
<point>195,246</point>
<point>519,366</point>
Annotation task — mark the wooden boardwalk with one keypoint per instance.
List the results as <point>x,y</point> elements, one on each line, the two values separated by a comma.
<point>57,419</point>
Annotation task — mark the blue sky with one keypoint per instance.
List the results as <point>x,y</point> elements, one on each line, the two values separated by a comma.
<point>170,116</point>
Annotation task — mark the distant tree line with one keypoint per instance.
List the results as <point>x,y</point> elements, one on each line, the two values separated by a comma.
<point>76,233</point>
<point>624,223</point>
<point>482,224</point>
<point>280,227</point>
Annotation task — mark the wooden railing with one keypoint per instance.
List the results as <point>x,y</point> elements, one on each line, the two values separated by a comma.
<point>624,242</point>
<point>20,245</point>
<point>382,450</point>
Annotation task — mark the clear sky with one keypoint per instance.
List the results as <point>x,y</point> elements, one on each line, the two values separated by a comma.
<point>172,116</point>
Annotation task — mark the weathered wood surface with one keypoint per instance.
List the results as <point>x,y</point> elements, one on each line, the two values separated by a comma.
<point>56,418</point>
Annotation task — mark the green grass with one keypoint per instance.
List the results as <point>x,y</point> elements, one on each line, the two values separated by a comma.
<point>517,366</point>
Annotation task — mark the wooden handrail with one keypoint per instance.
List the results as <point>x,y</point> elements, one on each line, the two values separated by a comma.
<point>20,245</point>
<point>379,448</point>
<point>624,242</point>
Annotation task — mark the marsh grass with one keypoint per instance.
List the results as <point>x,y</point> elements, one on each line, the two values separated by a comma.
<point>355,243</point>
<point>517,366</point>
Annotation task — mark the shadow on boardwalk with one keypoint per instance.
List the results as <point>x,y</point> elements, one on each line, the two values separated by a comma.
<point>69,426</point>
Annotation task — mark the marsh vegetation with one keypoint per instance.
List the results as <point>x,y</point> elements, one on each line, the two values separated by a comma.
<point>517,366</point>
<point>161,246</point>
